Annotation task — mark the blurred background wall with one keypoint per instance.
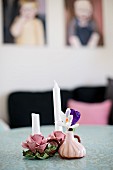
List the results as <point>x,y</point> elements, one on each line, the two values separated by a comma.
<point>34,68</point>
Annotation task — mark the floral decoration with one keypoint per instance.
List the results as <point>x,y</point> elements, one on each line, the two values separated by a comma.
<point>57,135</point>
<point>69,119</point>
<point>39,147</point>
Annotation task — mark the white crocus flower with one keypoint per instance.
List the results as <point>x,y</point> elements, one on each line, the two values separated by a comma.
<point>66,119</point>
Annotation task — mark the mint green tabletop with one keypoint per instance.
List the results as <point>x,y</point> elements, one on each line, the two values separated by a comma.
<point>98,141</point>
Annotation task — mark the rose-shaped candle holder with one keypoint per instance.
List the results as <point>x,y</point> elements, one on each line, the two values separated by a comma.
<point>39,148</point>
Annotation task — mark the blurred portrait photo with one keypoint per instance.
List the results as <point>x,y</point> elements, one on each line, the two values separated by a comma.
<point>24,22</point>
<point>84,24</point>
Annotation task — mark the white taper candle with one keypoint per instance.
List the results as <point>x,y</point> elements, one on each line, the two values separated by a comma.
<point>35,123</point>
<point>57,106</point>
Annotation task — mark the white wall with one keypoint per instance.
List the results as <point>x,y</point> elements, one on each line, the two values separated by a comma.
<point>33,68</point>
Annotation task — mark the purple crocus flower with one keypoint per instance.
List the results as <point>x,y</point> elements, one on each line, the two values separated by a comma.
<point>76,116</point>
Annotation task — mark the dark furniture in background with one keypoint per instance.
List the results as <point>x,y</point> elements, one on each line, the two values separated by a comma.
<point>22,104</point>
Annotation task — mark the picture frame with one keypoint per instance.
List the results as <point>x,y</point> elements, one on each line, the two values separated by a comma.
<point>14,11</point>
<point>84,23</point>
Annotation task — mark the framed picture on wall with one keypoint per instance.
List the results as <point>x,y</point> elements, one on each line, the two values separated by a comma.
<point>84,23</point>
<point>24,22</point>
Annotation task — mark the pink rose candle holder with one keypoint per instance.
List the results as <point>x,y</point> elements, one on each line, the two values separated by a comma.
<point>39,147</point>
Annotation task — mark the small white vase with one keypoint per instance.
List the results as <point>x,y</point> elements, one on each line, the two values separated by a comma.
<point>71,148</point>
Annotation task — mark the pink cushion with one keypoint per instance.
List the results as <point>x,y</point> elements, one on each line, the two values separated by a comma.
<point>92,113</point>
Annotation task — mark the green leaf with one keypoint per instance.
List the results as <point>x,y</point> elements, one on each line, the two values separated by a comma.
<point>51,148</point>
<point>42,156</point>
<point>29,154</point>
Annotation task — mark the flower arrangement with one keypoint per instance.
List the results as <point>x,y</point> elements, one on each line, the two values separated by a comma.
<point>39,147</point>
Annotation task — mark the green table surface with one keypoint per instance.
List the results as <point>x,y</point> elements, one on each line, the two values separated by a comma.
<point>98,141</point>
